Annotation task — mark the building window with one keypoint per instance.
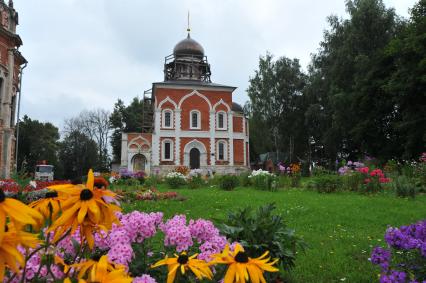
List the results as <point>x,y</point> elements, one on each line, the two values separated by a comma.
<point>195,119</point>
<point>167,119</point>
<point>221,120</point>
<point>221,151</point>
<point>167,150</point>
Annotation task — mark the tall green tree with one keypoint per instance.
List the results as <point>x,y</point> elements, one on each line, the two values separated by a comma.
<point>275,94</point>
<point>407,82</point>
<point>124,119</point>
<point>347,78</point>
<point>77,154</point>
<point>37,141</point>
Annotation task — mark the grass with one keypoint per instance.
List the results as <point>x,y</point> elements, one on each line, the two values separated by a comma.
<point>340,228</point>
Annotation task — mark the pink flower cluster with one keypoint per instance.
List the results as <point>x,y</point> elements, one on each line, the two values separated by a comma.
<point>178,234</point>
<point>144,279</point>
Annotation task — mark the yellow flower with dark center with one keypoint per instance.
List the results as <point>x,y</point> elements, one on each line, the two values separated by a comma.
<point>91,265</point>
<point>85,208</point>
<point>184,263</point>
<point>101,271</point>
<point>49,206</point>
<point>242,268</point>
<point>10,256</point>
<point>17,212</point>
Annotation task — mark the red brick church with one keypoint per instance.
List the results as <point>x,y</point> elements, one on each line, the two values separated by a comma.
<point>188,120</point>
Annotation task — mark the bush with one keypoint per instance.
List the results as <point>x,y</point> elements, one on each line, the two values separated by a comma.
<point>260,230</point>
<point>175,180</point>
<point>244,179</point>
<point>264,180</point>
<point>353,181</point>
<point>404,187</point>
<point>228,182</point>
<point>326,183</point>
<point>196,182</point>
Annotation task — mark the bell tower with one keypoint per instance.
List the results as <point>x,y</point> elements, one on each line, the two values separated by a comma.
<point>11,64</point>
<point>187,62</point>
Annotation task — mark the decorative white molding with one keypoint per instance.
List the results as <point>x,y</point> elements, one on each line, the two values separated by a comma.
<point>163,150</point>
<point>222,102</point>
<point>225,150</point>
<point>194,92</point>
<point>200,134</point>
<point>231,138</point>
<point>225,124</point>
<point>177,135</point>
<point>198,112</point>
<point>163,119</point>
<point>124,150</point>
<point>167,99</point>
<point>134,141</point>
<point>212,124</point>
<point>198,145</point>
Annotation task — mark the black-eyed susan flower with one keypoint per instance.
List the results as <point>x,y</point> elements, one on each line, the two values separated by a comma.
<point>17,212</point>
<point>10,256</point>
<point>84,208</point>
<point>49,206</point>
<point>183,263</point>
<point>91,265</point>
<point>242,268</point>
<point>101,271</point>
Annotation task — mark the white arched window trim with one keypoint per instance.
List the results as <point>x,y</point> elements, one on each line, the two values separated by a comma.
<point>163,150</point>
<point>225,120</point>
<point>225,150</point>
<point>198,120</point>
<point>164,119</point>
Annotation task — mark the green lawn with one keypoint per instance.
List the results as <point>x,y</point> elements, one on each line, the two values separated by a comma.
<point>340,228</point>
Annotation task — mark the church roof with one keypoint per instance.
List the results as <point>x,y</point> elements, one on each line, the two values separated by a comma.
<point>188,46</point>
<point>193,83</point>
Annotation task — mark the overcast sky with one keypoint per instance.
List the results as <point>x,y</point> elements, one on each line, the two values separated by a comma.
<point>85,54</point>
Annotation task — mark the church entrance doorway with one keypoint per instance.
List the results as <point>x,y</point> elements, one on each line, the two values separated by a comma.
<point>139,162</point>
<point>194,158</point>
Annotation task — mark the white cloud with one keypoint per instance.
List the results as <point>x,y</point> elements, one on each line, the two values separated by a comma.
<point>86,54</point>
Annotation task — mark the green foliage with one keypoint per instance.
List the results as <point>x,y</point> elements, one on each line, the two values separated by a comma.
<point>196,182</point>
<point>267,182</point>
<point>404,187</point>
<point>37,141</point>
<point>352,181</point>
<point>227,182</point>
<point>276,107</point>
<point>244,179</point>
<point>175,182</point>
<point>263,230</point>
<point>152,181</point>
<point>125,119</point>
<point>77,154</point>
<point>326,183</point>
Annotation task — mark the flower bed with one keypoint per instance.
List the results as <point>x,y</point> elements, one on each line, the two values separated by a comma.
<point>404,260</point>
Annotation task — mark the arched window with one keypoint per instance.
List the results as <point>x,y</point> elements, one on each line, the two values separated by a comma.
<point>167,150</point>
<point>167,118</point>
<point>195,120</point>
<point>221,120</point>
<point>222,151</point>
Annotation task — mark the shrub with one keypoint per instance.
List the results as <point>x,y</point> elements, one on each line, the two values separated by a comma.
<point>175,180</point>
<point>152,181</point>
<point>264,180</point>
<point>195,179</point>
<point>405,258</point>
<point>228,182</point>
<point>326,183</point>
<point>244,179</point>
<point>262,229</point>
<point>404,187</point>
<point>353,181</point>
